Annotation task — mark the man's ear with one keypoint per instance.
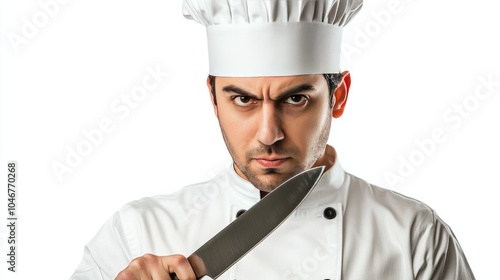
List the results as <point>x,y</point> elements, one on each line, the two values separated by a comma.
<point>211,91</point>
<point>340,94</point>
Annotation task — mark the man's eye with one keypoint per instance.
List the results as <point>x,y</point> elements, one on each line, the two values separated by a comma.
<point>296,100</point>
<point>243,101</point>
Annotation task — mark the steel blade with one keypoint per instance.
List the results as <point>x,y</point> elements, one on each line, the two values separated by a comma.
<point>234,241</point>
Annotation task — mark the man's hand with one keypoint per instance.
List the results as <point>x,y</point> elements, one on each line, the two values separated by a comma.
<point>151,267</point>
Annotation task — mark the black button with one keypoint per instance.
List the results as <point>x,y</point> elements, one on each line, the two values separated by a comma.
<point>240,212</point>
<point>330,213</point>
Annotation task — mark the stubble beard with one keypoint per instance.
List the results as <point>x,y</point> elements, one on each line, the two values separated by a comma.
<point>273,177</point>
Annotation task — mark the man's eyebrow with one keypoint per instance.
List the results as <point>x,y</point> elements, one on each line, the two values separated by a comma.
<point>235,89</point>
<point>296,90</point>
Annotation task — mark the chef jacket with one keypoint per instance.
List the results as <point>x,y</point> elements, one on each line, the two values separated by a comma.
<point>345,229</point>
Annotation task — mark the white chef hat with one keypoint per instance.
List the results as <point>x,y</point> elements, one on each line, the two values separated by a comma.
<point>248,38</point>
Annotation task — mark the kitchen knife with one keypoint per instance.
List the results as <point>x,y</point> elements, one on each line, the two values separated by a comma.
<point>239,237</point>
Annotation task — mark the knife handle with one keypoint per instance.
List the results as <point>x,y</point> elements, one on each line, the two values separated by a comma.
<point>173,276</point>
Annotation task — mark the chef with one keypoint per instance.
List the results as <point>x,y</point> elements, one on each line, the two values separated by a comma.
<point>275,85</point>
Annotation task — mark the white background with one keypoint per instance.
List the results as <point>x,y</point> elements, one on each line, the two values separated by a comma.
<point>408,70</point>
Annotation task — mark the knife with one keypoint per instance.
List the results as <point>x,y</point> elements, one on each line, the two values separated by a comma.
<point>239,237</point>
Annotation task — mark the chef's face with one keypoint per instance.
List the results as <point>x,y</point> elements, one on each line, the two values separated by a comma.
<point>276,127</point>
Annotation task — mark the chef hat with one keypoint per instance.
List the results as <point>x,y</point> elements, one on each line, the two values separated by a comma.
<point>249,38</point>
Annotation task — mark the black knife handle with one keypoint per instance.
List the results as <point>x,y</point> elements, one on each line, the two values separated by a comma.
<point>174,277</point>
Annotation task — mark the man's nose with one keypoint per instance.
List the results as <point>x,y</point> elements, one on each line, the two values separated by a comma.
<point>270,127</point>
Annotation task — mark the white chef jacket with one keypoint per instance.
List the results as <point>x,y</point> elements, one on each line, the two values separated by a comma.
<point>345,229</point>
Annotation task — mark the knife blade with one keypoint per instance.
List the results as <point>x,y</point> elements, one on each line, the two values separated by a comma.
<point>239,237</point>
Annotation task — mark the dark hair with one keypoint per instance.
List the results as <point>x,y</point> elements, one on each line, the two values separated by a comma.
<point>331,79</point>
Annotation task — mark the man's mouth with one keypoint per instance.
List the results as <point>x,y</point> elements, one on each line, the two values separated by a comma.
<point>271,162</point>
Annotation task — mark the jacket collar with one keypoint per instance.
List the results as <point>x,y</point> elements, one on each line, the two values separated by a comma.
<point>329,183</point>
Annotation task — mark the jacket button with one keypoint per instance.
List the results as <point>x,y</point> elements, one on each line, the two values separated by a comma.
<point>329,213</point>
<point>240,212</point>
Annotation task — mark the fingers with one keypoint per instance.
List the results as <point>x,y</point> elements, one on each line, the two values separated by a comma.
<point>179,265</point>
<point>152,267</point>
